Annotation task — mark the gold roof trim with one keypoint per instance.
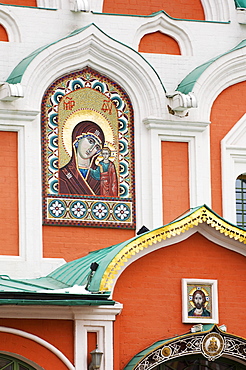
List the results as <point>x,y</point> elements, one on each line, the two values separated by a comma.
<point>199,216</point>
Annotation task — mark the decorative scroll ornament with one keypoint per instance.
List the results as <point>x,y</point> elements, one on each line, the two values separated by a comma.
<point>211,345</point>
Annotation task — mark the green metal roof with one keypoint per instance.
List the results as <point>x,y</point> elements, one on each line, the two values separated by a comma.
<point>18,72</point>
<point>76,278</point>
<point>240,3</point>
<point>187,84</point>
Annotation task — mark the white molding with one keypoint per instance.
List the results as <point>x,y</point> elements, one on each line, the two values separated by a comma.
<point>29,263</point>
<point>196,134</point>
<point>10,92</point>
<point>9,23</point>
<point>102,324</point>
<point>97,319</point>
<point>227,70</point>
<point>49,4</point>
<point>216,10</point>
<point>40,341</point>
<point>120,63</point>
<point>233,154</point>
<point>161,22</point>
<point>97,5</point>
<point>95,49</point>
<point>98,313</point>
<point>241,15</point>
<point>80,5</point>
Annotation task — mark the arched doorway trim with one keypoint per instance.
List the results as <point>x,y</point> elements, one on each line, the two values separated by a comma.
<point>40,341</point>
<point>211,342</point>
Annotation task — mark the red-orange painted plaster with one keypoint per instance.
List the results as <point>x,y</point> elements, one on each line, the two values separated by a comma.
<point>150,290</point>
<point>59,333</point>
<point>175,179</point>
<point>9,228</point>
<point>91,345</point>
<point>74,242</point>
<point>176,8</point>
<point>159,43</point>
<point>3,34</point>
<point>227,109</point>
<point>20,2</point>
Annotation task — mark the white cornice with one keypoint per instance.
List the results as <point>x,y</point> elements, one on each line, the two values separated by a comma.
<point>91,313</point>
<point>175,125</point>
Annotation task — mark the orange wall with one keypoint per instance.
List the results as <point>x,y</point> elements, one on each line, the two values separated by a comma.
<point>150,290</point>
<point>175,8</point>
<point>158,43</point>
<point>9,229</point>
<point>175,179</point>
<point>74,242</point>
<point>20,2</point>
<point>227,109</point>
<point>92,342</point>
<point>57,332</point>
<point>3,34</point>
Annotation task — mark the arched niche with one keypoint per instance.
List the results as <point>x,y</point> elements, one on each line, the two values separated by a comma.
<point>158,43</point>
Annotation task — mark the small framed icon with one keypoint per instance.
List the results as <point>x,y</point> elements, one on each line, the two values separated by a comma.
<point>200,301</point>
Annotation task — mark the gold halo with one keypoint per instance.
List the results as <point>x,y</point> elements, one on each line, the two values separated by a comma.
<point>84,115</point>
<point>113,156</point>
<point>198,288</point>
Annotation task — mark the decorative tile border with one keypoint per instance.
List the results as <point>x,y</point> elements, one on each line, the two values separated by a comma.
<point>95,212</point>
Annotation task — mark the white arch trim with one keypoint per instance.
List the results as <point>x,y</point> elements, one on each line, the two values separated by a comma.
<point>8,22</point>
<point>92,47</point>
<point>227,70</point>
<point>233,153</point>
<point>161,22</point>
<point>40,341</point>
<point>216,10</point>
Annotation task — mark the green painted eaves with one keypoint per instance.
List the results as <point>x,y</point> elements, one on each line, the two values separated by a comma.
<point>77,272</point>
<point>240,3</point>
<point>159,12</point>
<point>189,81</point>
<point>18,72</point>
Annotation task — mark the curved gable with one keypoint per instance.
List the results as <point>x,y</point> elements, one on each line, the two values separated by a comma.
<point>214,76</point>
<point>89,45</point>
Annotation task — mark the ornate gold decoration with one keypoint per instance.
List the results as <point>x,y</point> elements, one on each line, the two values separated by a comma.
<point>166,351</point>
<point>201,215</point>
<point>212,345</point>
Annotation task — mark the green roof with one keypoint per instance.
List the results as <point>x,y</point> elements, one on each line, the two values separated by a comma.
<point>187,84</point>
<point>18,72</point>
<point>240,3</point>
<point>76,278</point>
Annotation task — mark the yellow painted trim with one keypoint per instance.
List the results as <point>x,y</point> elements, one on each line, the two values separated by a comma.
<point>202,215</point>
